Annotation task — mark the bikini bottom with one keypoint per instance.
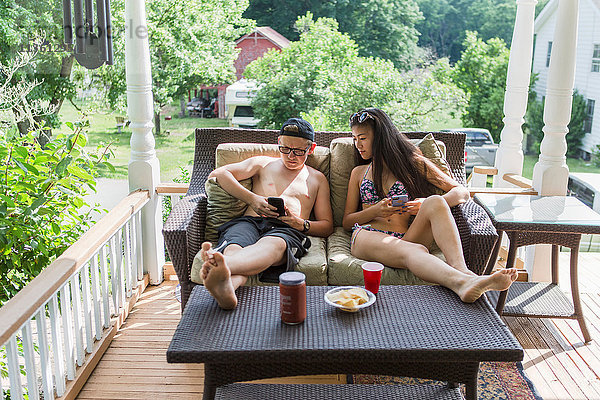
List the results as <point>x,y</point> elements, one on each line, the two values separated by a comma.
<point>356,228</point>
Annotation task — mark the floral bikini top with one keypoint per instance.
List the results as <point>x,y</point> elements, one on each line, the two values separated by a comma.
<point>368,194</point>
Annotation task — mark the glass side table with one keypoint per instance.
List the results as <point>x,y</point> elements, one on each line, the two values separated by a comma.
<point>555,220</point>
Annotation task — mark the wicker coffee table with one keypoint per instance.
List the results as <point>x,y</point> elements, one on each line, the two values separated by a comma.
<point>415,331</point>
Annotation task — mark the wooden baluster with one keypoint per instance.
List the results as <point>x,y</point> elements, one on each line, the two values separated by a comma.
<point>131,252</point>
<point>114,281</point>
<point>126,260</point>
<point>29,357</point>
<point>76,291</point>
<point>46,366</point>
<point>119,267</point>
<point>57,346</point>
<point>87,309</point>
<point>105,294</point>
<point>138,245</point>
<point>67,320</point>
<point>14,371</point>
<point>96,297</point>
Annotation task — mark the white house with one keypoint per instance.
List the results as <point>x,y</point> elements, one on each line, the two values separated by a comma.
<point>587,63</point>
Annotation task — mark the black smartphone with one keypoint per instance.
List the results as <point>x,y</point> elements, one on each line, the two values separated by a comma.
<point>277,202</point>
<point>399,199</point>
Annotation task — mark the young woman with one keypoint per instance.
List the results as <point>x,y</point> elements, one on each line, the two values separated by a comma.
<point>391,165</point>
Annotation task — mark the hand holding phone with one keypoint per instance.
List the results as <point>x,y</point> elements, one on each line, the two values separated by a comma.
<point>399,200</point>
<point>277,202</point>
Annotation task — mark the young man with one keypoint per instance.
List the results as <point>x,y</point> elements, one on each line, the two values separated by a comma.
<point>260,239</point>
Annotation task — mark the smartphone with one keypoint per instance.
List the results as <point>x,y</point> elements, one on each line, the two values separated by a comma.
<point>399,200</point>
<point>277,202</point>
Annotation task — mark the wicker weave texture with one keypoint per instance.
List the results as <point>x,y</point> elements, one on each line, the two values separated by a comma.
<point>406,323</point>
<point>329,392</point>
<point>535,299</point>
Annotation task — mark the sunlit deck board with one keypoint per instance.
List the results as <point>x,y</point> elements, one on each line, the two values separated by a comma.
<point>135,365</point>
<point>556,361</point>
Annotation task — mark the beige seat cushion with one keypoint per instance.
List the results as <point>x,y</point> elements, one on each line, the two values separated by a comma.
<point>342,163</point>
<point>229,153</point>
<point>345,269</point>
<point>223,207</point>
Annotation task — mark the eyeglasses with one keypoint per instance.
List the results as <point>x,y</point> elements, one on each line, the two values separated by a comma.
<point>360,117</point>
<point>297,152</point>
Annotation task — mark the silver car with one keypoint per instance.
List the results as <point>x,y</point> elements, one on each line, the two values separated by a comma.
<point>480,147</point>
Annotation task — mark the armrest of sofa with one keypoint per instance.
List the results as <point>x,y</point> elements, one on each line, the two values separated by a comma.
<point>184,233</point>
<point>477,234</point>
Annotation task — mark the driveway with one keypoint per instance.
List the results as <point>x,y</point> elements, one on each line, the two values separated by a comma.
<point>108,193</point>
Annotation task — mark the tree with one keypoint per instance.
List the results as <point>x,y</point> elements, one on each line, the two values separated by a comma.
<point>481,73</point>
<point>191,44</point>
<point>445,23</point>
<point>36,26</point>
<point>41,189</point>
<point>381,28</point>
<point>535,123</point>
<point>322,78</point>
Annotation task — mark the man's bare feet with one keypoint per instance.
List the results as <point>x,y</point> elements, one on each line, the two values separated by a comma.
<point>217,280</point>
<point>206,255</point>
<point>475,287</point>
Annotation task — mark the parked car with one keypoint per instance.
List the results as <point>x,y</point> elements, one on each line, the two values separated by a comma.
<point>480,147</point>
<point>586,187</point>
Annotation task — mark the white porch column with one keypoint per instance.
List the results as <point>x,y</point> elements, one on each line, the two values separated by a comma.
<point>509,158</point>
<point>551,173</point>
<point>144,171</point>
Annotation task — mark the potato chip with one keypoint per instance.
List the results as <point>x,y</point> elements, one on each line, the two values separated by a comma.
<point>349,298</point>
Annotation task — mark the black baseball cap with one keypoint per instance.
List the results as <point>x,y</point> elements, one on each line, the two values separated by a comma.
<point>299,128</point>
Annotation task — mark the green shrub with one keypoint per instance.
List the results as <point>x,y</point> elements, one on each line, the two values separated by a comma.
<point>42,209</point>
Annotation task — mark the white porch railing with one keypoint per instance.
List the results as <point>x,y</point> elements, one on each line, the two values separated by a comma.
<point>75,303</point>
<point>173,191</point>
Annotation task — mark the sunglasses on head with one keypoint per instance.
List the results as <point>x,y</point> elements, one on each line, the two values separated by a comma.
<point>360,117</point>
<point>297,152</point>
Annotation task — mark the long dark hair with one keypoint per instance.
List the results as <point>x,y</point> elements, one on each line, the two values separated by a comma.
<point>403,159</point>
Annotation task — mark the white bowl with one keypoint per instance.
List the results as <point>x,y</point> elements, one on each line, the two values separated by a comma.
<point>371,300</point>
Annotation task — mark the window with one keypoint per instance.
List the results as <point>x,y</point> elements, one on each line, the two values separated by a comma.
<point>589,117</point>
<point>243,111</point>
<point>596,58</point>
<point>548,55</point>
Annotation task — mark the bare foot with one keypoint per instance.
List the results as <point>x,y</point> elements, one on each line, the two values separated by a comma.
<point>499,280</point>
<point>206,254</point>
<point>205,250</point>
<point>218,281</point>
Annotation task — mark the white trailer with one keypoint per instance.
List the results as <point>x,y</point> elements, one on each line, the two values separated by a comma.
<point>238,97</point>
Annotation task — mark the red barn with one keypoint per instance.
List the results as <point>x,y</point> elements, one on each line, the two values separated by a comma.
<point>253,46</point>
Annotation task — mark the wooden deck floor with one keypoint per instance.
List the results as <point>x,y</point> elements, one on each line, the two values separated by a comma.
<point>135,367</point>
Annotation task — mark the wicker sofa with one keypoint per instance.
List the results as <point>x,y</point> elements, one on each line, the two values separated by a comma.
<point>330,259</point>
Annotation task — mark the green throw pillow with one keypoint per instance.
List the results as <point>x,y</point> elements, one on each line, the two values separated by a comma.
<point>222,207</point>
<point>433,151</point>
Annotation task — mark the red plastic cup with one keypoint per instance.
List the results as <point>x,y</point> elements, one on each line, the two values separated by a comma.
<point>372,275</point>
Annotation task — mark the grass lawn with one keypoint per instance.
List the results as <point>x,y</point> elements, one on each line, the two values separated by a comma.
<point>173,150</point>
<point>176,149</point>
<point>575,165</point>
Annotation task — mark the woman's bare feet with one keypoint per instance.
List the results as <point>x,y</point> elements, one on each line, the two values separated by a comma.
<point>217,279</point>
<point>475,287</point>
